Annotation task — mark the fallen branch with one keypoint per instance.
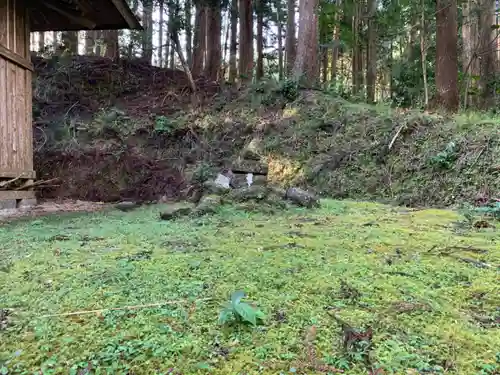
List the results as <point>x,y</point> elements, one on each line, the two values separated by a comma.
<point>7,183</point>
<point>396,135</point>
<point>134,307</point>
<point>38,183</point>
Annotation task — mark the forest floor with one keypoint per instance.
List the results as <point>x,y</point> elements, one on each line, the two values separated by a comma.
<point>359,287</point>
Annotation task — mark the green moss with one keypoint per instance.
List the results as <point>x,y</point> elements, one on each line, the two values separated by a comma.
<point>428,310</point>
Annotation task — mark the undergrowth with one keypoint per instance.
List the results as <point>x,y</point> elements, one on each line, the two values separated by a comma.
<point>358,287</point>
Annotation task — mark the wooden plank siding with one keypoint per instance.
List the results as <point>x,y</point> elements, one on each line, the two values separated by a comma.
<point>16,134</point>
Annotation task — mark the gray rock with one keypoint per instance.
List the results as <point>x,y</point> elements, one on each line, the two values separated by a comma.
<point>250,166</point>
<point>253,192</point>
<point>175,212</point>
<point>302,198</point>
<point>208,205</point>
<point>212,187</point>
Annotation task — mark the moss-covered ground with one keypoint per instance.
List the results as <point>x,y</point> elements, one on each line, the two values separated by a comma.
<point>403,282</point>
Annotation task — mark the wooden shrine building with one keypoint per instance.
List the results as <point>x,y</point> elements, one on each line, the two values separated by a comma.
<point>17,19</point>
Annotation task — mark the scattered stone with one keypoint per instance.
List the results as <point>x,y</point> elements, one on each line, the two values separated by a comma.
<point>249,193</point>
<point>208,205</point>
<point>223,180</point>
<point>176,212</point>
<point>250,166</point>
<point>213,187</point>
<point>27,203</point>
<point>302,198</point>
<point>127,206</point>
<point>252,151</point>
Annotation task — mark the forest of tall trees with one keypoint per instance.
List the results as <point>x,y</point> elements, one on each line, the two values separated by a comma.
<point>409,53</point>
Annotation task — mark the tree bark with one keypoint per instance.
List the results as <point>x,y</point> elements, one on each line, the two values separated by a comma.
<point>199,40</point>
<point>290,42</point>
<point>147,36</point>
<point>279,17</point>
<point>306,62</point>
<point>371,59</point>
<point>423,53</point>
<point>470,61</point>
<point>446,55</point>
<point>260,40</point>
<point>233,48</point>
<point>488,53</point>
<point>90,38</point>
<point>160,33</point>
<point>357,60</point>
<point>41,42</point>
<point>214,52</point>
<point>246,40</point>
<point>336,41</point>
<point>189,31</point>
<point>111,42</point>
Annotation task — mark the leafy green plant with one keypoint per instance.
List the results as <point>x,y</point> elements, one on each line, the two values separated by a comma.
<point>240,311</point>
<point>491,210</point>
<point>164,125</point>
<point>445,158</point>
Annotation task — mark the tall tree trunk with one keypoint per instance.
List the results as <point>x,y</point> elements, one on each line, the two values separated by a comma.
<point>173,21</point>
<point>41,42</point>
<point>147,36</point>
<point>227,25</point>
<point>214,53</point>
<point>55,42</point>
<point>371,59</point>
<point>111,42</point>
<point>200,45</point>
<point>260,40</point>
<point>189,31</point>
<point>70,41</point>
<point>279,17</point>
<point>246,40</point>
<point>306,62</point>
<point>488,52</point>
<point>233,48</point>
<point>98,43</point>
<point>470,61</point>
<point>357,60</point>
<point>446,55</point>
<point>90,37</point>
<point>160,33</point>
<point>290,42</point>
<point>423,53</point>
<point>336,40</point>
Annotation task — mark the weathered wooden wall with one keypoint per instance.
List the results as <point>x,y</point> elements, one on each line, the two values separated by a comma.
<point>16,138</point>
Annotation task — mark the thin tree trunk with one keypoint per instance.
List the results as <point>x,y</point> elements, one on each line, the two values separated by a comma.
<point>423,54</point>
<point>233,48</point>
<point>160,33</point>
<point>446,55</point>
<point>98,43</point>
<point>336,41</point>
<point>487,52</point>
<point>260,40</point>
<point>54,41</point>
<point>279,18</point>
<point>306,62</point>
<point>189,31</point>
<point>371,59</point>
<point>356,50</point>
<point>89,42</point>
<point>41,42</point>
<point>111,42</point>
<point>246,40</point>
<point>290,42</point>
<point>227,24</point>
